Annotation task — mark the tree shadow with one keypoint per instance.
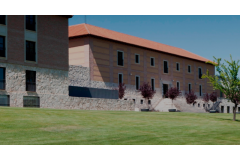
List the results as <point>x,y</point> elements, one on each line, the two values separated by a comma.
<point>228,119</point>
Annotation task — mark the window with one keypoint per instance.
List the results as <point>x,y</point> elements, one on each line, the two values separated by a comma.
<point>153,83</point>
<point>137,82</point>
<point>165,66</point>
<point>152,61</point>
<point>2,46</point>
<point>200,73</point>
<point>177,66</point>
<point>198,105</point>
<point>120,58</point>
<point>149,101</point>
<point>31,101</point>
<point>178,85</point>
<point>134,101</point>
<point>2,78</point>
<point>141,101</point>
<point>137,58</point>
<point>189,69</point>
<point>189,87</point>
<point>4,100</point>
<point>120,78</point>
<point>200,90</point>
<point>221,94</point>
<point>31,81</point>
<point>30,22</point>
<point>3,19</point>
<point>30,51</point>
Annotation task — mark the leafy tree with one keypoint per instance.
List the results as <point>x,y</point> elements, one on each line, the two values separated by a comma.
<point>206,98</point>
<point>173,93</point>
<point>213,97</point>
<point>191,97</point>
<point>146,91</point>
<point>121,90</point>
<point>226,80</point>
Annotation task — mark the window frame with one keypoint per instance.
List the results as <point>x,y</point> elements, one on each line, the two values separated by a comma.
<point>190,69</point>
<point>164,67</point>
<point>138,82</point>
<point>122,58</point>
<point>26,50</point>
<point>153,86</point>
<point>153,61</point>
<point>5,20</point>
<point>189,88</point>
<point>4,80</point>
<point>4,46</point>
<point>34,83</point>
<point>200,90</point>
<point>118,77</point>
<point>198,73</point>
<point>177,63</point>
<point>178,84</point>
<point>138,58</point>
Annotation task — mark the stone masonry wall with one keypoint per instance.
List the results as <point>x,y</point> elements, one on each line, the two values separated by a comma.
<point>52,89</point>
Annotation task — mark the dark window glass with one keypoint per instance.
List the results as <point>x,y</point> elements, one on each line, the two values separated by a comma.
<point>31,23</point>
<point>152,62</point>
<point>136,58</point>
<point>153,85</point>
<point>189,69</point>
<point>3,19</point>
<point>134,101</point>
<point>2,46</point>
<point>141,101</point>
<point>4,100</point>
<point>200,90</point>
<point>30,51</point>
<point>149,101</point>
<point>178,85</point>
<point>31,101</point>
<point>189,87</point>
<point>120,78</point>
<point>120,58</point>
<point>165,65</point>
<point>199,73</point>
<point>177,66</point>
<point>137,83</point>
<point>31,81</point>
<point>2,78</point>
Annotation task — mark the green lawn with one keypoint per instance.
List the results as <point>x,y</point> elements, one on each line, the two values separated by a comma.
<point>49,126</point>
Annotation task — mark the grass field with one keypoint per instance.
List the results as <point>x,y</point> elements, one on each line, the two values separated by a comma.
<point>49,126</point>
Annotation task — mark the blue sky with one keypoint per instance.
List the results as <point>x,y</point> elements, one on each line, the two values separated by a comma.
<point>206,36</point>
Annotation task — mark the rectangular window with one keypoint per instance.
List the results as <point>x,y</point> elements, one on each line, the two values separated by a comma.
<point>120,58</point>
<point>2,78</point>
<point>153,83</point>
<point>152,61</point>
<point>189,69</point>
<point>178,85</point>
<point>4,100</point>
<point>2,46</point>
<point>3,19</point>
<point>137,58</point>
<point>30,22</point>
<point>165,66</point>
<point>200,90</point>
<point>189,87</point>
<point>120,78</point>
<point>30,51</point>
<point>137,82</point>
<point>177,67</point>
<point>31,81</point>
<point>31,101</point>
<point>200,73</point>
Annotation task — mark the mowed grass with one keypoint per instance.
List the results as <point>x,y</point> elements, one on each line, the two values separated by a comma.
<point>50,126</point>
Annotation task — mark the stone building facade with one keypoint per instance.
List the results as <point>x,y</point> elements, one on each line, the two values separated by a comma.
<point>95,51</point>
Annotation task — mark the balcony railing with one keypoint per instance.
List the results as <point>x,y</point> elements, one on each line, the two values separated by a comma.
<point>31,86</point>
<point>2,84</point>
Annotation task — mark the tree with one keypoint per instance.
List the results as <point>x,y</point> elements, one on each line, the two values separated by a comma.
<point>146,91</point>
<point>226,80</point>
<point>121,90</point>
<point>191,97</point>
<point>173,93</point>
<point>213,97</point>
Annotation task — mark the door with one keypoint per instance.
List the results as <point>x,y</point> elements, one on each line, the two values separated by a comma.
<point>165,89</point>
<point>222,109</point>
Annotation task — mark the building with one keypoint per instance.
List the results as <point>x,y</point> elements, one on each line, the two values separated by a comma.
<point>33,60</point>
<point>102,58</point>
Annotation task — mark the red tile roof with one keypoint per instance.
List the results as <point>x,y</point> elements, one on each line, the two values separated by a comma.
<point>87,29</point>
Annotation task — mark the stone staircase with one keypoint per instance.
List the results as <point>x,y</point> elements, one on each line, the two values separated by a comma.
<point>164,105</point>
<point>182,105</point>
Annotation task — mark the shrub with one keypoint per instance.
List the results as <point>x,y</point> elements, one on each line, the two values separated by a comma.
<point>191,97</point>
<point>213,97</point>
<point>121,90</point>
<point>146,91</point>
